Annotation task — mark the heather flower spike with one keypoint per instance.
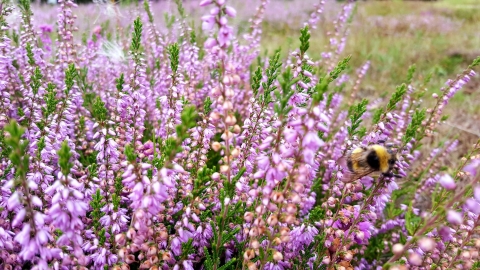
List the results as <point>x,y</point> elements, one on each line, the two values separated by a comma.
<point>138,143</point>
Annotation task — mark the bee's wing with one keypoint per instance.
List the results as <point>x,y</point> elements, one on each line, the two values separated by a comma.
<point>349,176</point>
<point>357,166</point>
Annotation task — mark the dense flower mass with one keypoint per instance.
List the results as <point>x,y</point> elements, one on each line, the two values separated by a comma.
<point>144,147</point>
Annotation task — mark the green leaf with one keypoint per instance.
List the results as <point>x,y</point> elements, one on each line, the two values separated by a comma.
<point>137,36</point>
<point>411,131</point>
<point>412,221</point>
<point>99,112</point>
<point>397,97</point>
<point>173,56</point>
<point>304,39</point>
<point>411,71</point>
<point>256,78</point>
<point>207,106</point>
<point>64,156</point>
<point>475,63</point>
<point>356,112</point>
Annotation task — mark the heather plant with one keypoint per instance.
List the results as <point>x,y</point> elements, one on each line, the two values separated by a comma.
<point>178,147</point>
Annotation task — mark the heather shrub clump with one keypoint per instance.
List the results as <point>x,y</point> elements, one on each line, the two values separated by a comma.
<point>142,147</point>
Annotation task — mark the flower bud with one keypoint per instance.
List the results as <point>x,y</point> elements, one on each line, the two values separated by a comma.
<point>360,235</point>
<point>415,259</point>
<point>166,256</point>
<point>290,219</point>
<point>277,256</point>
<point>276,241</point>
<point>277,197</point>
<point>285,238</point>
<point>251,266</point>
<point>253,232</point>
<point>215,176</point>
<point>227,105</point>
<point>205,2</point>
<point>237,129</point>
<point>230,11</point>
<point>284,231</point>
<point>120,239</point>
<point>227,80</point>
<point>454,217</point>
<point>230,120</point>
<point>348,256</point>
<point>235,152</point>
<point>130,258</point>
<point>426,244</point>
<point>397,249</point>
<point>216,146</point>
<point>249,254</point>
<point>131,233</point>
<point>272,220</point>
<point>291,208</point>
<point>229,92</point>
<point>224,168</point>
<point>447,182</point>
<point>227,135</point>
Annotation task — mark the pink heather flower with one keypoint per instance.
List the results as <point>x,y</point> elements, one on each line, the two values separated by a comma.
<point>445,233</point>
<point>473,206</point>
<point>97,29</point>
<point>426,244</point>
<point>214,11</point>
<point>473,167</point>
<point>224,35</point>
<point>46,28</point>
<point>230,11</point>
<point>208,22</point>
<point>312,141</point>
<point>210,42</point>
<point>415,259</point>
<point>454,217</point>
<point>447,182</point>
<point>223,20</point>
<point>205,2</point>
<point>476,193</point>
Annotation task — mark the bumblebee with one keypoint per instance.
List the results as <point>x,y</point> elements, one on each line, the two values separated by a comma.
<point>376,158</point>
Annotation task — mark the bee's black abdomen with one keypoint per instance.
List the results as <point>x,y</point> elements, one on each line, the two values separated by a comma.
<point>373,161</point>
<point>350,164</point>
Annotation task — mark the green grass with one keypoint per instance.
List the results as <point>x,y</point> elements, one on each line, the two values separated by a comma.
<point>392,46</point>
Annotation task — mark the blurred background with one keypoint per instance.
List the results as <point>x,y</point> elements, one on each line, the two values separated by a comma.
<point>440,37</point>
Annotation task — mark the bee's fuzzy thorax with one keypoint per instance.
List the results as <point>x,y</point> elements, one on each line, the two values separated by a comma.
<point>383,157</point>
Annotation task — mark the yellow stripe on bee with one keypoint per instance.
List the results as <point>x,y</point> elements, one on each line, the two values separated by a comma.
<point>357,150</point>
<point>383,157</point>
<point>354,156</point>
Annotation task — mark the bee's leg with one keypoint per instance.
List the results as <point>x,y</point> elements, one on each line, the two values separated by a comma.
<point>381,141</point>
<point>387,174</point>
<point>390,175</point>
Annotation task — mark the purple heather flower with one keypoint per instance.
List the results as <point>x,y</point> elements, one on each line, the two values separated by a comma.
<point>454,217</point>
<point>447,182</point>
<point>445,233</point>
<point>205,2</point>
<point>473,167</point>
<point>476,193</point>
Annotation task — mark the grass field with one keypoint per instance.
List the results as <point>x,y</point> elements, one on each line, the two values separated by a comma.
<point>441,38</point>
